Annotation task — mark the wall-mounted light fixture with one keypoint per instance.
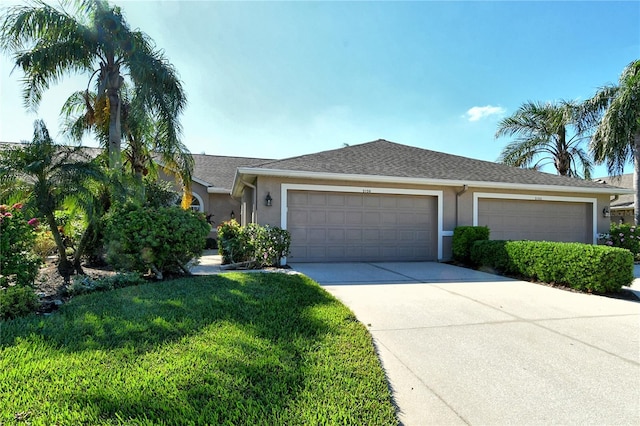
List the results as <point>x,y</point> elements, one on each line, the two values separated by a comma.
<point>606,212</point>
<point>268,200</point>
<point>232,215</point>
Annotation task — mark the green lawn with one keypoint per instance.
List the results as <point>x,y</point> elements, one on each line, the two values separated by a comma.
<point>258,349</point>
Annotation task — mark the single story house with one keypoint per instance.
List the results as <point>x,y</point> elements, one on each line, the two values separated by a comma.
<point>622,205</point>
<point>383,201</point>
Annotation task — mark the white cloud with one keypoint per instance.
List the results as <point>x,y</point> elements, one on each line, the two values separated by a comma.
<point>479,112</point>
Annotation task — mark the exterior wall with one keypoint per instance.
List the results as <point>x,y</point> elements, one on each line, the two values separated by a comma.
<point>457,203</point>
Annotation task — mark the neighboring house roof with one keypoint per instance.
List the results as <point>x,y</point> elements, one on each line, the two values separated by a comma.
<point>625,201</point>
<point>217,172</point>
<point>384,161</point>
<point>213,171</point>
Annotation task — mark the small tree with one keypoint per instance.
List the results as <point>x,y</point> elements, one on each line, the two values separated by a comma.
<point>53,174</point>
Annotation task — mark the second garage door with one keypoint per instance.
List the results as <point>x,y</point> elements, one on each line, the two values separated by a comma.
<point>344,227</point>
<point>537,220</point>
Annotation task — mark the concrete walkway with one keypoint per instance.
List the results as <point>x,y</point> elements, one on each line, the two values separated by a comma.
<point>464,347</point>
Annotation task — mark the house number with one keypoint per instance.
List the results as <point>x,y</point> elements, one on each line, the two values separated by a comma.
<point>366,191</point>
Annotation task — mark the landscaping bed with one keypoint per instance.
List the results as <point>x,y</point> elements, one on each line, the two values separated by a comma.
<point>227,349</point>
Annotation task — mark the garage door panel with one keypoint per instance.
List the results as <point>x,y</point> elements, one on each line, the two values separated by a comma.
<point>317,218</point>
<point>315,199</point>
<point>353,200</point>
<point>336,235</point>
<point>362,227</point>
<point>536,220</point>
<point>372,218</point>
<point>316,235</point>
<point>353,218</point>
<point>336,200</point>
<point>335,218</point>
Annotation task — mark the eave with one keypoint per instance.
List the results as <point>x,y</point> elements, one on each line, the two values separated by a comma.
<point>248,173</point>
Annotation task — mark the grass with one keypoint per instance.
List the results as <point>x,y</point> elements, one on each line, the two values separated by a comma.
<point>258,349</point>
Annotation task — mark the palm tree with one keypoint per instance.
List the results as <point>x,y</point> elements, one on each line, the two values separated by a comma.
<point>616,141</point>
<point>48,42</point>
<point>543,137</point>
<point>53,174</point>
<point>147,139</point>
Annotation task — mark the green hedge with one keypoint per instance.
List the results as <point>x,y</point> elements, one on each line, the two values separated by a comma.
<point>463,239</point>
<point>585,267</point>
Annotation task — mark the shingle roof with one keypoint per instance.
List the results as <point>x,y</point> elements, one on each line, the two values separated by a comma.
<point>219,171</point>
<point>623,181</point>
<point>384,158</point>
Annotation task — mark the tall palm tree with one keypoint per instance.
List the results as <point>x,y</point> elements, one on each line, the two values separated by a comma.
<point>146,137</point>
<point>53,174</point>
<point>48,42</point>
<point>616,141</point>
<point>546,133</point>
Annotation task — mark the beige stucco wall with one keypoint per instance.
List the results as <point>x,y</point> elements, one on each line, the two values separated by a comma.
<point>457,205</point>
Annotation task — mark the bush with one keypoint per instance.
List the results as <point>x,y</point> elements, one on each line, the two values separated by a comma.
<point>584,267</point>
<point>163,240</point>
<point>256,245</point>
<point>623,236</point>
<point>18,264</point>
<point>463,239</point>
<point>16,301</point>
<point>44,244</point>
<point>83,284</point>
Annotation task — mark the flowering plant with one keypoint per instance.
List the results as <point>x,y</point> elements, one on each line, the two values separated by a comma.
<point>623,236</point>
<point>18,264</point>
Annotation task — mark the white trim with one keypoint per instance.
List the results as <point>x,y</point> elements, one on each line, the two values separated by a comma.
<point>200,201</point>
<point>285,187</point>
<point>427,181</point>
<point>593,201</point>
<point>216,190</point>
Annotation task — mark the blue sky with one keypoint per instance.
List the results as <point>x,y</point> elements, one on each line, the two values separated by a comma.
<point>277,79</point>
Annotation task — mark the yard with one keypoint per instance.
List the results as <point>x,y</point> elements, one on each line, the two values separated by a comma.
<point>226,349</point>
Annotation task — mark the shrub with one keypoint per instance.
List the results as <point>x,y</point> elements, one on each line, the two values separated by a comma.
<point>584,267</point>
<point>163,240</point>
<point>44,244</point>
<point>623,236</point>
<point>463,239</point>
<point>231,244</point>
<point>83,284</point>
<point>18,264</point>
<point>257,245</point>
<point>16,301</point>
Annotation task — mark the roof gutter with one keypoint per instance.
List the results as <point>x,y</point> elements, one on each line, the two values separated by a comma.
<point>420,181</point>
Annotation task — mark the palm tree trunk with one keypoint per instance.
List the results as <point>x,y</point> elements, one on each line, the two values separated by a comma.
<point>64,266</point>
<point>114,130</point>
<point>636,178</point>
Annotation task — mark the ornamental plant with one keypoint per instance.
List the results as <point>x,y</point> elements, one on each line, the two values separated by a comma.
<point>162,240</point>
<point>254,245</point>
<point>623,236</point>
<point>18,264</point>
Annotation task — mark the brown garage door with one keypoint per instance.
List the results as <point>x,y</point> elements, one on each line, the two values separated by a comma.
<point>345,227</point>
<point>536,220</point>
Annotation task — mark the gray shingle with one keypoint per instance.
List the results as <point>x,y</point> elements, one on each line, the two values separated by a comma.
<point>384,158</point>
<point>219,171</point>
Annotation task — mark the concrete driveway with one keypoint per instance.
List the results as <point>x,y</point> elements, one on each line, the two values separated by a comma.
<point>465,347</point>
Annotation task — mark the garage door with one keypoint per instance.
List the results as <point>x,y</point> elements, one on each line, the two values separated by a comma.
<point>537,220</point>
<point>345,227</point>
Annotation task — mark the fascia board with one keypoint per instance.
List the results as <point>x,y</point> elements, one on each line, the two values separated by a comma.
<point>424,181</point>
